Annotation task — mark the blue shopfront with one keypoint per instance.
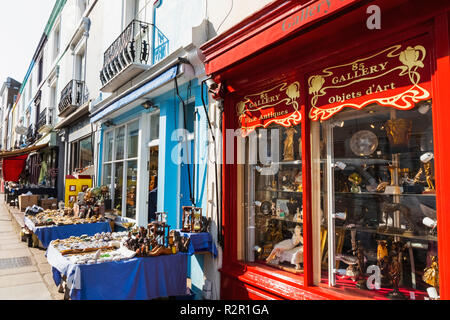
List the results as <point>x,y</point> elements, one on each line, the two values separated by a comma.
<point>151,151</point>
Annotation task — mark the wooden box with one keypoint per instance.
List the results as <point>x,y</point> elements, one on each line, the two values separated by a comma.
<point>28,201</point>
<point>47,204</point>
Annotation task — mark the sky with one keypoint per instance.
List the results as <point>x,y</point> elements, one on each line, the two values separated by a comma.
<point>22,23</point>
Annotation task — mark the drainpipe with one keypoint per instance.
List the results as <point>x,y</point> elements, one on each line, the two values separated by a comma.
<point>156,5</point>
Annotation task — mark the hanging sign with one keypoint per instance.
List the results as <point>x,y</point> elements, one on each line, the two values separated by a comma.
<point>397,77</point>
<point>279,105</point>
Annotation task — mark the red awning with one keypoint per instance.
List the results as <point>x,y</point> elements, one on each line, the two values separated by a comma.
<point>13,167</point>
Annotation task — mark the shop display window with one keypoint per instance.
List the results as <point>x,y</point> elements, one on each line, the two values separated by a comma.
<point>377,208</point>
<point>273,215</point>
<point>120,167</point>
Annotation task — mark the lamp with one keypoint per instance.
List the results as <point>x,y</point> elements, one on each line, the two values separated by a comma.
<point>149,105</point>
<point>108,123</point>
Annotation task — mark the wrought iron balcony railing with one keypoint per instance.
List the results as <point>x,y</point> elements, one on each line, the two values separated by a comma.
<point>42,119</point>
<point>72,96</point>
<point>31,134</point>
<point>140,43</point>
<point>45,121</point>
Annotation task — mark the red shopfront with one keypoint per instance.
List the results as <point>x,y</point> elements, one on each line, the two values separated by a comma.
<point>338,191</point>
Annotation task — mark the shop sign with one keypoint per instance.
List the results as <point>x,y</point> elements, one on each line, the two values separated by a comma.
<point>279,105</point>
<point>397,77</point>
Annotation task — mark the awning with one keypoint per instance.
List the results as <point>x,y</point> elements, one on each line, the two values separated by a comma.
<point>13,167</point>
<point>136,94</point>
<point>40,144</point>
<point>24,151</point>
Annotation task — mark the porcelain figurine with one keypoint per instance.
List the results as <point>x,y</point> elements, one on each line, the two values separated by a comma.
<point>431,274</point>
<point>285,245</point>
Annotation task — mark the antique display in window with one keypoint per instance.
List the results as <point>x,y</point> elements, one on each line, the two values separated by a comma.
<point>377,190</point>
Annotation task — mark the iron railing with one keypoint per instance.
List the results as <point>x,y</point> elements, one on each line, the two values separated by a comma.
<point>72,95</point>
<point>134,46</point>
<point>45,119</point>
<point>42,119</point>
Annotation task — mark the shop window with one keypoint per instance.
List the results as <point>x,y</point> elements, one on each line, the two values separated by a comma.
<point>81,154</point>
<point>153,167</point>
<point>273,224</point>
<point>382,193</point>
<point>120,167</point>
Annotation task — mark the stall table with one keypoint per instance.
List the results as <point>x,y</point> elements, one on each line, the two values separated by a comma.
<point>48,233</point>
<point>131,279</point>
<point>200,243</point>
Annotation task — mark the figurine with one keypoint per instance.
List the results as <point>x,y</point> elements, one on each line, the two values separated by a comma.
<point>289,144</point>
<point>395,269</point>
<point>388,210</point>
<point>431,274</point>
<point>287,245</point>
<point>382,261</point>
<point>355,180</point>
<point>427,170</point>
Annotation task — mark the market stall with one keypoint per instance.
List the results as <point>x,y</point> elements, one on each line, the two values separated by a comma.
<point>87,216</point>
<point>128,265</point>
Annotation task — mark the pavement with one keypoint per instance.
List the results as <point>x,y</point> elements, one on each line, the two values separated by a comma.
<point>24,271</point>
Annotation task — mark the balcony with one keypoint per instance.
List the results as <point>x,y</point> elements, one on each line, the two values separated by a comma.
<point>45,124</point>
<point>138,47</point>
<point>31,134</point>
<point>72,97</point>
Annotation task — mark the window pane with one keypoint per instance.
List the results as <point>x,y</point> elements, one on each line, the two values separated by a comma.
<point>108,146</point>
<point>154,127</point>
<point>131,189</point>
<point>119,143</point>
<point>75,156</point>
<point>118,187</point>
<point>154,151</point>
<point>133,139</point>
<point>273,221</point>
<point>86,155</point>
<point>106,175</point>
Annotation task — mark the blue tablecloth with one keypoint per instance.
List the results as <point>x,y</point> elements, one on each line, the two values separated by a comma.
<point>49,233</point>
<point>200,242</point>
<point>132,279</point>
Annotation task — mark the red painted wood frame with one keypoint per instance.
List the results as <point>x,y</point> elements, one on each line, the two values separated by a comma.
<point>400,22</point>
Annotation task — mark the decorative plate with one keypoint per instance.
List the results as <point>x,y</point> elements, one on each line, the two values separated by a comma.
<point>364,143</point>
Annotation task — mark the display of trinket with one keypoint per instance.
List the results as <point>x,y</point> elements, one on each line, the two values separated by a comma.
<point>59,218</point>
<point>156,240</point>
<point>86,244</point>
<point>388,210</point>
<point>193,220</point>
<point>395,270</point>
<point>290,250</point>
